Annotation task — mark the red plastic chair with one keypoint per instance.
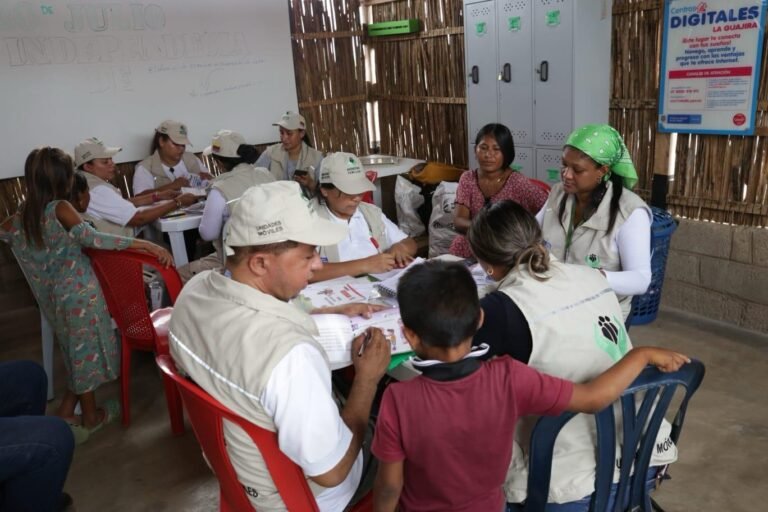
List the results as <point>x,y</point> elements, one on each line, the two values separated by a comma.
<point>541,184</point>
<point>122,281</point>
<point>206,414</point>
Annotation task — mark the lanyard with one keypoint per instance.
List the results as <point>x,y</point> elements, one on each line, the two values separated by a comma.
<point>569,235</point>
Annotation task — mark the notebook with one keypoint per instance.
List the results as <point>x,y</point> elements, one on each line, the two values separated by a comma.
<point>336,333</point>
<point>388,286</point>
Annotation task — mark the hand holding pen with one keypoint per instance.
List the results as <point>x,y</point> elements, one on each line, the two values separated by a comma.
<point>371,354</point>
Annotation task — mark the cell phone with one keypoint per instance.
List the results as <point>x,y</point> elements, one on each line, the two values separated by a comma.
<point>299,172</point>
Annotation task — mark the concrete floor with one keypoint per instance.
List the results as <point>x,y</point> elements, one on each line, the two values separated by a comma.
<point>722,466</point>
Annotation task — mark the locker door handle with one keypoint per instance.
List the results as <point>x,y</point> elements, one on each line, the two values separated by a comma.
<point>506,73</point>
<point>543,71</point>
<point>475,74</point>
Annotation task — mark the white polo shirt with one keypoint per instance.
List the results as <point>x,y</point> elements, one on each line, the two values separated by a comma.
<point>359,242</point>
<point>108,205</point>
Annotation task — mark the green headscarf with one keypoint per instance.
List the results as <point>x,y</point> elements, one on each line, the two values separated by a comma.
<point>603,144</point>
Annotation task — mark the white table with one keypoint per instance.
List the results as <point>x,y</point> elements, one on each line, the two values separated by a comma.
<point>175,227</point>
<point>402,166</point>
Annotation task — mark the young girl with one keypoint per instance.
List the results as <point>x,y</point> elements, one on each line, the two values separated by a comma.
<point>47,235</point>
<point>80,195</point>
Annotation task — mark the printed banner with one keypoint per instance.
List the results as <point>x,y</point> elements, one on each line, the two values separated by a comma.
<point>710,66</point>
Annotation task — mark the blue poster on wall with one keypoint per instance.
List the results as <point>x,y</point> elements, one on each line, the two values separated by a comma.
<point>710,66</point>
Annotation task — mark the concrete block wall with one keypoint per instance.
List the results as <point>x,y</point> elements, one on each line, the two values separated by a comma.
<point>720,272</point>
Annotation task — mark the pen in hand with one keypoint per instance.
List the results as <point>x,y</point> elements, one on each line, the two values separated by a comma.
<point>365,341</point>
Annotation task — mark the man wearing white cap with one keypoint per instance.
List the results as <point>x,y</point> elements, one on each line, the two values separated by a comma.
<point>170,166</point>
<point>241,340</point>
<point>109,211</point>
<point>293,158</point>
<point>374,244</point>
<point>236,158</point>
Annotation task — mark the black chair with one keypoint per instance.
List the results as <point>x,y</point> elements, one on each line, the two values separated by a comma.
<point>640,426</point>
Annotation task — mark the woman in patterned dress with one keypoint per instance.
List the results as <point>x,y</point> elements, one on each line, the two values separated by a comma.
<point>494,180</point>
<point>47,235</point>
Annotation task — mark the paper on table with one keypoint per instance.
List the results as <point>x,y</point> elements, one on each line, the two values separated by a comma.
<point>334,292</point>
<point>194,191</point>
<point>336,333</point>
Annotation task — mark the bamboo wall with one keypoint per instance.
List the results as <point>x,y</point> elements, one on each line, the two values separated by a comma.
<point>420,86</point>
<point>330,73</point>
<point>636,39</point>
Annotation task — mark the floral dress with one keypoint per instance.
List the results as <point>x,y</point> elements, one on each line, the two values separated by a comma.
<point>517,188</point>
<point>69,294</point>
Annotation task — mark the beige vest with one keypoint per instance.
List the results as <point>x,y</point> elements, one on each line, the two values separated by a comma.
<point>155,166</point>
<point>104,225</point>
<point>233,185</point>
<point>591,243</point>
<point>578,333</point>
<point>371,214</point>
<point>228,337</point>
<point>308,157</point>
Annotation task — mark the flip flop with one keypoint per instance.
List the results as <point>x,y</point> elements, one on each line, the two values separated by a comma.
<point>111,413</point>
<point>80,433</point>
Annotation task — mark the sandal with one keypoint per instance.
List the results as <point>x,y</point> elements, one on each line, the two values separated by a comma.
<point>111,410</point>
<point>80,433</point>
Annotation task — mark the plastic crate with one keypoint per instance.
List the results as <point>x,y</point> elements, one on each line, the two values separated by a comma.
<point>645,307</point>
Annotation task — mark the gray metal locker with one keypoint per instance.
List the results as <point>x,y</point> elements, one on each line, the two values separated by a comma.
<point>549,61</point>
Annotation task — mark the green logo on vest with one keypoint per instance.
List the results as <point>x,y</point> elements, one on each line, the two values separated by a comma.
<point>593,260</point>
<point>611,337</point>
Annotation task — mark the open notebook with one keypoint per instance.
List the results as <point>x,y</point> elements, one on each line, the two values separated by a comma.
<point>388,282</point>
<point>338,331</point>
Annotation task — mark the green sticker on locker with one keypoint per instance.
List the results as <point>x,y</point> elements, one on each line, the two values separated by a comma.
<point>516,167</point>
<point>481,28</point>
<point>553,18</point>
<point>553,174</point>
<point>514,24</point>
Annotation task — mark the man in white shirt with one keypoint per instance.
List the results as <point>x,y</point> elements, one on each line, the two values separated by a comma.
<point>240,339</point>
<point>108,209</point>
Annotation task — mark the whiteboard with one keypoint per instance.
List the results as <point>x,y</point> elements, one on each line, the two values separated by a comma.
<point>115,70</point>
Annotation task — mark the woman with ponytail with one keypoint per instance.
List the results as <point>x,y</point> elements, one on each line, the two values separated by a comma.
<point>593,218</point>
<point>561,319</point>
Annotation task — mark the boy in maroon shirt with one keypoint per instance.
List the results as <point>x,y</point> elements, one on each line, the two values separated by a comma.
<point>444,439</point>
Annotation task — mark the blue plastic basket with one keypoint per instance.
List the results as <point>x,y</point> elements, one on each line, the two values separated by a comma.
<point>645,307</point>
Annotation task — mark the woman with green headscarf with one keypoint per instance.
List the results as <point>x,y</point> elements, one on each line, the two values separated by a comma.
<point>593,218</point>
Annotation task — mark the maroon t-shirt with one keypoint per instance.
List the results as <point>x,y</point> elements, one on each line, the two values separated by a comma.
<point>456,436</point>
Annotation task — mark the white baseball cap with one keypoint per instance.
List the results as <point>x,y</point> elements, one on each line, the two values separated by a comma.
<point>292,121</point>
<point>225,143</point>
<point>175,130</point>
<point>345,172</point>
<point>278,212</point>
<point>92,148</point>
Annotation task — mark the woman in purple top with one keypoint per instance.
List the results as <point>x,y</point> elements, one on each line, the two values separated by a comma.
<point>493,181</point>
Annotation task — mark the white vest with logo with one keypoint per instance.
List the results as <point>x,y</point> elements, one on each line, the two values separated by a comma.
<point>578,332</point>
<point>104,225</point>
<point>154,165</point>
<point>308,157</point>
<point>372,215</point>
<point>228,337</point>
<point>591,243</point>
